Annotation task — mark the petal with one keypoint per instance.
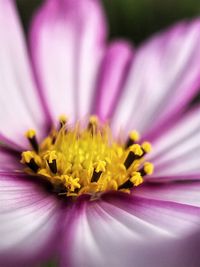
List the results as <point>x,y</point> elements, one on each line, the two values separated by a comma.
<point>113,72</point>
<point>19,98</point>
<point>164,77</point>
<point>122,230</point>
<point>28,219</point>
<point>177,151</point>
<point>9,161</point>
<point>67,45</point>
<point>184,192</point>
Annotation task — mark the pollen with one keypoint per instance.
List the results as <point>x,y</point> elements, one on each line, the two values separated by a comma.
<point>87,159</point>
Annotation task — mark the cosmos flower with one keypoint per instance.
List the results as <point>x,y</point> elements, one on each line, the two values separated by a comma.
<point>79,188</point>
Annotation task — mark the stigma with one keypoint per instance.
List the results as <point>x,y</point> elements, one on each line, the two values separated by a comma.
<point>87,159</point>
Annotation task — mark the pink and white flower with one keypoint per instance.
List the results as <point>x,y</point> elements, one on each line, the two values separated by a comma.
<point>72,69</point>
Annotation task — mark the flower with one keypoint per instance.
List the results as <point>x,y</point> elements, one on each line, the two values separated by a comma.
<point>71,70</point>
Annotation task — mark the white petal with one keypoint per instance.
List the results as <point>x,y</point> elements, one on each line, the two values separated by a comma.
<point>177,151</point>
<point>9,161</point>
<point>67,44</point>
<point>20,106</point>
<point>122,232</point>
<point>164,78</point>
<point>184,192</point>
<point>28,219</point>
<point>112,75</point>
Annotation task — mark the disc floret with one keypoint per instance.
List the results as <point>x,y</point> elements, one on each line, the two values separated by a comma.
<point>87,160</point>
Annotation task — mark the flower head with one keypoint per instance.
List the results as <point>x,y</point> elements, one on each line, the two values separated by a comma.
<point>85,188</point>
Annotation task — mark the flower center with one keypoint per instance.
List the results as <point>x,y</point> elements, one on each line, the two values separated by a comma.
<point>87,160</point>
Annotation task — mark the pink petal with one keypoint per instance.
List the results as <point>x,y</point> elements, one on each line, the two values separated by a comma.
<point>164,77</point>
<point>113,72</point>
<point>122,231</point>
<point>9,161</point>
<point>177,151</point>
<point>184,192</point>
<point>19,98</point>
<point>67,45</point>
<point>28,217</point>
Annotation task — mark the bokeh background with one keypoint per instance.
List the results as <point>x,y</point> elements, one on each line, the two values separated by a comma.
<point>133,19</point>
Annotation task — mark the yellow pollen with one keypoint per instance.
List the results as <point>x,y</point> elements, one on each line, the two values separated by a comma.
<point>134,136</point>
<point>146,147</point>
<point>148,168</point>
<point>50,156</point>
<point>87,160</point>
<point>93,119</point>
<point>63,119</point>
<point>136,149</point>
<point>27,156</point>
<point>71,183</point>
<point>30,133</point>
<point>136,178</point>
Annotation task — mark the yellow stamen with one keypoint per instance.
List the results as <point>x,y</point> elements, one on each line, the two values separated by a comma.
<point>146,147</point>
<point>134,136</point>
<point>50,156</point>
<point>136,149</point>
<point>148,168</point>
<point>88,160</point>
<point>136,178</point>
<point>30,133</point>
<point>71,183</point>
<point>27,156</point>
<point>63,119</point>
<point>100,166</point>
<point>93,119</point>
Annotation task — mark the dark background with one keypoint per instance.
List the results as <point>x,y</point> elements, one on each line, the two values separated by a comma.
<point>133,19</point>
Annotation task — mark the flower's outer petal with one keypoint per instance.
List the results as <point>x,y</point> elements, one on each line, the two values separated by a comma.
<point>29,218</point>
<point>176,153</point>
<point>9,161</point>
<point>20,106</point>
<point>123,230</point>
<point>180,192</point>
<point>113,72</point>
<point>67,45</point>
<point>165,75</point>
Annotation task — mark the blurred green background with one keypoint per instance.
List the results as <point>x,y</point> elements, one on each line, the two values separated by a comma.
<point>133,19</point>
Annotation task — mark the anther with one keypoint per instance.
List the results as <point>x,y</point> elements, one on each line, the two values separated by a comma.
<point>146,147</point>
<point>71,183</point>
<point>147,169</point>
<point>28,158</point>
<point>32,165</point>
<point>133,137</point>
<point>99,167</point>
<point>136,178</point>
<point>92,125</point>
<point>53,166</point>
<point>126,185</point>
<point>62,121</point>
<point>95,176</point>
<point>31,135</point>
<point>134,154</point>
<point>51,157</point>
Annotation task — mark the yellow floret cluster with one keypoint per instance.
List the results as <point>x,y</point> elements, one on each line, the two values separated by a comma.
<point>87,159</point>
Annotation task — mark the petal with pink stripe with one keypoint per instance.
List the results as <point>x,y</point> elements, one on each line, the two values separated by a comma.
<point>112,75</point>
<point>28,217</point>
<point>19,96</point>
<point>67,43</point>
<point>121,230</point>
<point>164,77</point>
<point>176,153</point>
